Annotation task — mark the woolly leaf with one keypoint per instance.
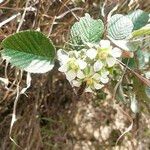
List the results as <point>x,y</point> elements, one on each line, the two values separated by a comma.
<point>87,30</point>
<point>119,27</point>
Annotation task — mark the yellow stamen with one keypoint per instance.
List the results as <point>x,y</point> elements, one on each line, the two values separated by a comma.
<point>103,55</point>
<point>73,65</point>
<point>89,81</point>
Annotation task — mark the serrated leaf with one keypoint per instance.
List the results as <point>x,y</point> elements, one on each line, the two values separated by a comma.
<point>119,27</point>
<point>30,51</point>
<point>139,18</point>
<point>87,30</point>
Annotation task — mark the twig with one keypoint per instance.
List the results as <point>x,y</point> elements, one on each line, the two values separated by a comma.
<point>51,27</point>
<point>65,13</point>
<point>143,79</point>
<point>70,10</point>
<point>111,12</point>
<point>119,82</point>
<point>9,19</point>
<point>23,16</point>
<point>129,128</point>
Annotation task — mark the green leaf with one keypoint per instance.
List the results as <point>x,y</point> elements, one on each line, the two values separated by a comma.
<point>87,30</point>
<point>30,51</point>
<point>131,63</point>
<point>139,18</point>
<point>141,32</point>
<point>119,27</point>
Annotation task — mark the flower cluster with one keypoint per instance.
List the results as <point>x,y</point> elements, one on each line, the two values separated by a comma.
<point>91,65</point>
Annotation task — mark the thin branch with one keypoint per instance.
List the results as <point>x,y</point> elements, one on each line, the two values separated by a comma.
<point>23,16</point>
<point>9,19</point>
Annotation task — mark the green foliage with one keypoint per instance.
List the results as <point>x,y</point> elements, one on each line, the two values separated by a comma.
<point>87,30</point>
<point>142,31</point>
<point>139,18</point>
<point>29,50</point>
<point>119,27</point>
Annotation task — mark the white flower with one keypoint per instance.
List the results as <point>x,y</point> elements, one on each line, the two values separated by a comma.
<point>98,66</point>
<point>62,56</point>
<point>111,61</point>
<point>76,83</point>
<point>93,82</point>
<point>104,76</point>
<point>82,64</point>
<point>91,78</point>
<point>88,89</point>
<point>116,52</point>
<point>70,75</point>
<point>108,54</point>
<point>98,86</point>
<point>91,53</point>
<point>90,65</point>
<point>104,80</point>
<point>80,74</point>
<point>63,68</point>
<point>105,43</point>
<point>104,73</point>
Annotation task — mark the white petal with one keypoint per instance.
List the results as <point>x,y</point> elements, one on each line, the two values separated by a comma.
<point>88,89</point>
<point>104,80</point>
<point>63,68</point>
<point>91,53</point>
<point>104,74</point>
<point>62,56</point>
<point>80,74</point>
<point>70,75</point>
<point>98,66</point>
<point>98,86</point>
<point>76,83</point>
<point>96,76</point>
<point>105,43</point>
<point>111,61</point>
<point>116,52</point>
<point>82,64</point>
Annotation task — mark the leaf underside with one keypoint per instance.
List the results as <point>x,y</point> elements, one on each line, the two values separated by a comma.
<point>30,51</point>
<point>119,27</point>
